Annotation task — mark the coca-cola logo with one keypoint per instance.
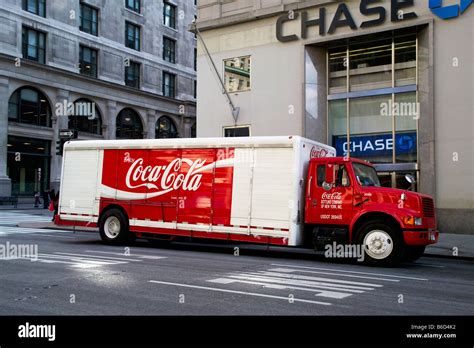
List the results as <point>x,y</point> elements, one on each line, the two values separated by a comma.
<point>332,196</point>
<point>318,152</point>
<point>165,178</point>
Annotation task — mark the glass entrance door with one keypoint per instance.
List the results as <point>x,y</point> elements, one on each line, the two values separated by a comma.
<point>28,165</point>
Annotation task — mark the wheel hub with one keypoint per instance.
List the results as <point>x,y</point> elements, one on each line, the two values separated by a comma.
<point>378,244</point>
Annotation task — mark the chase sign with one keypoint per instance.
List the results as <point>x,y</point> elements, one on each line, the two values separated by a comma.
<point>449,11</point>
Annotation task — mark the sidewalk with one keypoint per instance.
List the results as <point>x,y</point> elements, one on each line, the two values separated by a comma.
<point>445,246</point>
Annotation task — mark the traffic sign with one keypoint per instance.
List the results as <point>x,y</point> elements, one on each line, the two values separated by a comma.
<point>68,134</point>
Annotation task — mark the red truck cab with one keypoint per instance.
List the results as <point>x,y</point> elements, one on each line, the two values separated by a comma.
<point>346,204</point>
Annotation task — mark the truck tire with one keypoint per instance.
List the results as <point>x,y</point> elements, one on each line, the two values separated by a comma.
<point>413,253</point>
<point>382,243</point>
<point>114,227</point>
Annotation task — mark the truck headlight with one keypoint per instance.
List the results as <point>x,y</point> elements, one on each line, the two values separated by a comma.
<point>418,221</point>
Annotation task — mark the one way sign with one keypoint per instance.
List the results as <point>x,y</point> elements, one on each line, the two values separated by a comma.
<point>68,134</point>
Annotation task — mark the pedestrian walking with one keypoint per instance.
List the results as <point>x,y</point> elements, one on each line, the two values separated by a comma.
<point>37,199</point>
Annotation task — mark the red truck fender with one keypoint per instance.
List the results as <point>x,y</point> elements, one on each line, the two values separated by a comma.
<point>372,213</point>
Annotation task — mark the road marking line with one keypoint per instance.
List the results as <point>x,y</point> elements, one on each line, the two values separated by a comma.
<point>330,273</point>
<point>50,235</point>
<point>307,283</point>
<point>322,293</point>
<point>81,259</point>
<point>151,257</point>
<point>283,285</point>
<point>427,265</point>
<point>336,270</point>
<point>100,257</point>
<point>240,292</point>
<point>328,280</point>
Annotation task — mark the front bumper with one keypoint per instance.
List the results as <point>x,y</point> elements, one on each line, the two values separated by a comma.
<point>420,237</point>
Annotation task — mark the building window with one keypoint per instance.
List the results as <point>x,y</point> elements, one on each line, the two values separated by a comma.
<point>169,85</point>
<point>86,118</point>
<point>237,74</point>
<point>132,75</point>
<point>87,61</point>
<point>238,131</point>
<point>195,59</point>
<point>30,106</point>
<point>193,130</point>
<point>169,50</point>
<point>129,125</point>
<point>169,15</point>
<point>89,20</point>
<point>34,45</point>
<point>37,7</point>
<point>165,128</point>
<point>132,36</point>
<point>373,107</point>
<point>133,5</point>
<point>195,32</point>
<point>195,89</point>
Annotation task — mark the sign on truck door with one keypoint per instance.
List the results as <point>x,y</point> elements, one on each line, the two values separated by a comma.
<point>333,205</point>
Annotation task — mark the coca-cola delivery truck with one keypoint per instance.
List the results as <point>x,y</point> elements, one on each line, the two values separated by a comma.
<point>287,191</point>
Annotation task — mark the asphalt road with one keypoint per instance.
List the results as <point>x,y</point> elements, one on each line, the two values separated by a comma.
<point>76,274</point>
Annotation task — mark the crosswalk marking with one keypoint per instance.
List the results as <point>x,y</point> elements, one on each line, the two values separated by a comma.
<point>77,260</point>
<point>13,218</point>
<point>338,271</point>
<point>240,292</point>
<point>329,273</point>
<point>6,231</point>
<point>299,279</point>
<point>140,256</point>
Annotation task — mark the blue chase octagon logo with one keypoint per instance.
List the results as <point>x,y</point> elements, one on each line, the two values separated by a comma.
<point>449,11</point>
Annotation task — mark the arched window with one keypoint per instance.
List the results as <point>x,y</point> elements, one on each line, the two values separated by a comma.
<point>165,128</point>
<point>86,117</point>
<point>29,105</point>
<point>129,125</point>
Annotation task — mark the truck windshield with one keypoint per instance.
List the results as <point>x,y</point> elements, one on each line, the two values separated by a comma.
<point>366,175</point>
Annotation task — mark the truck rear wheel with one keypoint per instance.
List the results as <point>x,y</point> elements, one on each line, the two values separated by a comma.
<point>113,227</point>
<point>413,253</point>
<point>381,242</point>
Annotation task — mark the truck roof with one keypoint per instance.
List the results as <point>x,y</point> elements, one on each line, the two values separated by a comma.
<point>272,141</point>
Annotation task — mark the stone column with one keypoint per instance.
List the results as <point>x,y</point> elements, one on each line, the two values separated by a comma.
<point>151,123</point>
<point>186,129</point>
<point>111,115</point>
<point>5,182</point>
<point>59,121</point>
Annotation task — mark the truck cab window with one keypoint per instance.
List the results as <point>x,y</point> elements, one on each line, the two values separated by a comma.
<point>366,175</point>
<point>321,175</point>
<point>342,177</point>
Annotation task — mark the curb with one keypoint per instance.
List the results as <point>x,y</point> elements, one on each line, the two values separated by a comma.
<point>464,258</point>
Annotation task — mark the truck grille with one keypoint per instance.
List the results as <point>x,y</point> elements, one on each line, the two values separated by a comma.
<point>428,207</point>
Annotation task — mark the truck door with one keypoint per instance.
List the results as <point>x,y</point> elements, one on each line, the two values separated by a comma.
<point>329,202</point>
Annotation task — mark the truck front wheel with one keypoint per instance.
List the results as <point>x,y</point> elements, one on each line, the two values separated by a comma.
<point>381,242</point>
<point>113,227</point>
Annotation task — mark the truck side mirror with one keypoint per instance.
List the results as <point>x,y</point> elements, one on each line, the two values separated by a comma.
<point>330,177</point>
